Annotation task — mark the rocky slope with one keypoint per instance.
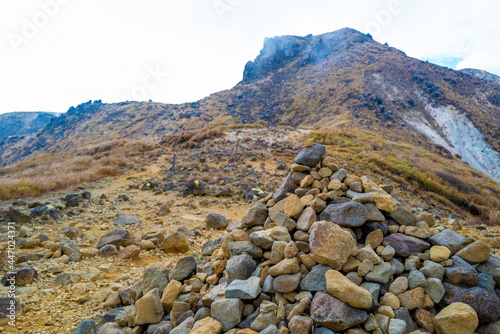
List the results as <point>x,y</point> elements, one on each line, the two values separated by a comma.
<point>23,123</point>
<point>339,79</point>
<point>328,251</point>
<point>482,75</point>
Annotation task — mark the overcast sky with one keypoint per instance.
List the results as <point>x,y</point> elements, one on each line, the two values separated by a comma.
<point>58,53</point>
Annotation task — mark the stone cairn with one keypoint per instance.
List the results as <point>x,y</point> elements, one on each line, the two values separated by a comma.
<point>329,252</point>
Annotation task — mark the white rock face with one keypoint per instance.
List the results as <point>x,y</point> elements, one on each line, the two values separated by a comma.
<point>460,137</point>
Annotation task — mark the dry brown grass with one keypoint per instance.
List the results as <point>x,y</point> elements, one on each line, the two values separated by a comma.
<point>189,139</point>
<point>55,172</point>
<point>433,175</point>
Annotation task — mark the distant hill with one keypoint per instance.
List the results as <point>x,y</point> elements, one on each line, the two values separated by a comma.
<point>482,75</point>
<point>23,123</point>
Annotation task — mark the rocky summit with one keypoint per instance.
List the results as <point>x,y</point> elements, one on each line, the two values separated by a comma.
<point>328,252</point>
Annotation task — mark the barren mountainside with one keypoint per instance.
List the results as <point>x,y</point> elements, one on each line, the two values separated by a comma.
<point>342,79</point>
<point>23,123</point>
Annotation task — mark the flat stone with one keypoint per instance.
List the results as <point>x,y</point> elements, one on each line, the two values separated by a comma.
<point>373,214</point>
<point>334,314</point>
<point>126,220</point>
<point>349,214</point>
<point>283,220</point>
<point>288,185</point>
<point>360,197</point>
<point>491,267</point>
<point>425,319</point>
<point>92,274</point>
<point>240,267</point>
<point>449,239</point>
<point>107,251</point>
<point>367,253</point>
<point>286,283</point>
<point>129,252</point>
<point>20,277</point>
<point>315,280</point>
<point>285,267</point>
<point>178,309</point>
<point>67,279</point>
<point>397,326</point>
<point>109,328</point>
<point>184,269</point>
<point>214,293</point>
<point>487,282</point>
<point>256,216</point>
<point>439,253</point>
<point>207,325</point>
<point>342,288</point>
<point>417,232</point>
<point>291,250</point>
<point>262,239</point>
<point>412,299</point>
<point>461,273</point>
<point>339,175</point>
<point>119,237</point>
<point>405,245</point>
<point>228,312</point>
<point>432,269</point>
<point>293,206</point>
<point>403,217</point>
<point>264,320</point>
<point>486,305</point>
<point>153,279</point>
<point>416,279</point>
<point>17,216</point>
<point>149,308</point>
<point>310,156</point>
<point>331,245</point>
<point>86,327</point>
<point>278,251</point>
<point>244,289</point>
<point>435,289</point>
<point>374,239</point>
<point>300,325</point>
<point>399,285</point>
<point>381,273</point>
<point>240,247</point>
<point>170,294</point>
<point>175,243</point>
<point>216,221</point>
<point>300,168</point>
<point>306,219</point>
<point>476,252</point>
<point>456,318</point>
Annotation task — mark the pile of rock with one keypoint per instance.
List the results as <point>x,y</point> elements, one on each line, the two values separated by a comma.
<point>328,252</point>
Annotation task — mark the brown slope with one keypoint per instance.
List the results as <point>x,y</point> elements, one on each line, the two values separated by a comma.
<point>338,78</point>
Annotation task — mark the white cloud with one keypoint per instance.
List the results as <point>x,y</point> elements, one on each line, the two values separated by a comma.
<point>96,49</point>
<point>482,60</point>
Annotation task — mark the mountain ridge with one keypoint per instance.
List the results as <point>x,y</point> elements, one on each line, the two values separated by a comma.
<point>22,123</point>
<point>482,74</point>
<point>343,78</point>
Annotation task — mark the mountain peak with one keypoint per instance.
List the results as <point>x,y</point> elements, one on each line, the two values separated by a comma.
<point>482,74</point>
<point>281,50</point>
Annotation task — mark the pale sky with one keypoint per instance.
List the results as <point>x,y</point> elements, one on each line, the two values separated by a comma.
<point>58,53</point>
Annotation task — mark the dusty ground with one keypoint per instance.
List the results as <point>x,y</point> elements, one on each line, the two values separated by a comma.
<point>48,308</point>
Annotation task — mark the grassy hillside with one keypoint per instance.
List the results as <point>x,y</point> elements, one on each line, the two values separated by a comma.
<point>434,176</point>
